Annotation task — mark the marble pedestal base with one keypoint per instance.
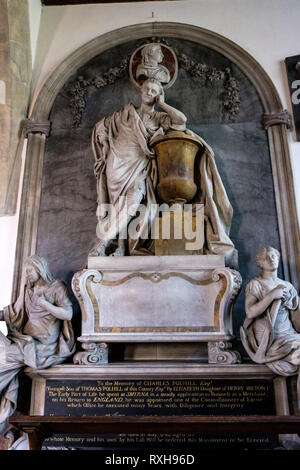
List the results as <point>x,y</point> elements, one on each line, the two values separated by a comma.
<point>156,299</point>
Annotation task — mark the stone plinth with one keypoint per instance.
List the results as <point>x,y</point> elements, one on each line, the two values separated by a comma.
<point>156,299</point>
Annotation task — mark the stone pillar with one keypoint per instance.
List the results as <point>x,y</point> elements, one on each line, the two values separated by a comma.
<point>15,77</point>
<point>36,133</point>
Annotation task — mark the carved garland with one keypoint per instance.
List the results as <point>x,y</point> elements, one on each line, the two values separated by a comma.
<point>231,101</point>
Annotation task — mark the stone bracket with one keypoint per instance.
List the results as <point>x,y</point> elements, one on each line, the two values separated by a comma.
<point>219,352</point>
<point>94,354</point>
<point>31,127</point>
<point>275,119</point>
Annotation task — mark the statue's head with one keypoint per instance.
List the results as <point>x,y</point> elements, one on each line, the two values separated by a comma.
<point>37,267</point>
<point>267,258</point>
<point>150,89</point>
<point>152,53</point>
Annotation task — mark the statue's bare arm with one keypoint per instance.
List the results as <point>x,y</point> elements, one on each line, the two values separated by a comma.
<point>62,313</point>
<point>177,117</point>
<point>256,308</point>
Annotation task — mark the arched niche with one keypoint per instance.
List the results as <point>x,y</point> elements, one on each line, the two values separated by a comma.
<point>38,129</point>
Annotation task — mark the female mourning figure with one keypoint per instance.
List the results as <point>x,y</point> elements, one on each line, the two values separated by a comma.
<point>39,331</point>
<point>124,165</point>
<point>126,173</point>
<point>270,333</point>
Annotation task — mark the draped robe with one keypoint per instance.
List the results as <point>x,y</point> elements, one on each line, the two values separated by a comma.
<point>35,338</point>
<point>270,337</point>
<point>273,338</point>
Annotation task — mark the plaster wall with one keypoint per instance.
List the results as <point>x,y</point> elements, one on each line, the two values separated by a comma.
<point>266,29</point>
<point>35,12</point>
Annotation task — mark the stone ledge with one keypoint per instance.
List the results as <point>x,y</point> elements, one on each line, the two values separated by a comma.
<point>147,370</point>
<point>150,263</point>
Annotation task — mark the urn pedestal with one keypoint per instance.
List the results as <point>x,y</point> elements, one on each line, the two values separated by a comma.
<point>156,299</point>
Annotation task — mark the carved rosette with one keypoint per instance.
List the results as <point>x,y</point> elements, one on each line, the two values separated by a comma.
<point>94,354</point>
<point>220,352</point>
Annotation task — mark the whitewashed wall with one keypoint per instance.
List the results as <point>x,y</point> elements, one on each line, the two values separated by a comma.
<point>267,29</point>
<point>35,12</point>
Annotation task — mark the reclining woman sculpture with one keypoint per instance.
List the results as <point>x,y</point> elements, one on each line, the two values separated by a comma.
<point>39,331</point>
<point>126,174</point>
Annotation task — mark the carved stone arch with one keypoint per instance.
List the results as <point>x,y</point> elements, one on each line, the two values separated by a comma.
<point>276,129</point>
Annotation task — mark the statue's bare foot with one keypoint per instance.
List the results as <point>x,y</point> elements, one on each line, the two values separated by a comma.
<point>120,251</point>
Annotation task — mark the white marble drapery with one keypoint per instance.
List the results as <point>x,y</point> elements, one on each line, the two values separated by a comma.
<point>127,176</point>
<point>35,338</point>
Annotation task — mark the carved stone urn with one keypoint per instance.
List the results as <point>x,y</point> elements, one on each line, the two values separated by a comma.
<point>175,153</point>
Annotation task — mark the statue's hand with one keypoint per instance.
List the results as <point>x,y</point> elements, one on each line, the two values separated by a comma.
<point>160,99</point>
<point>279,292</point>
<point>42,302</point>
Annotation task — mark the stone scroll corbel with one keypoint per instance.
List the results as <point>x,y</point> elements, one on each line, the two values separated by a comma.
<point>79,286</point>
<point>93,353</point>
<point>220,352</point>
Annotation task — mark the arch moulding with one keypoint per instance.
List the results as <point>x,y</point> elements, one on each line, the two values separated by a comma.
<point>277,134</point>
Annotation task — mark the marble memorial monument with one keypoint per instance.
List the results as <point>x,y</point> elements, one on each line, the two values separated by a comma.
<point>145,157</point>
<point>161,271</point>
